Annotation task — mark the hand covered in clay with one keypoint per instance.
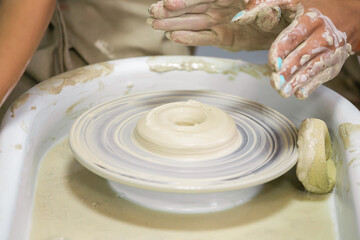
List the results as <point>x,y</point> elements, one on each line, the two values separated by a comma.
<point>208,22</point>
<point>313,48</point>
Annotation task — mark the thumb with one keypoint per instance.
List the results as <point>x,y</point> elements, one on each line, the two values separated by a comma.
<point>266,15</point>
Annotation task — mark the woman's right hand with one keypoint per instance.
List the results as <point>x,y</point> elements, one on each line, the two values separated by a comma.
<point>208,22</point>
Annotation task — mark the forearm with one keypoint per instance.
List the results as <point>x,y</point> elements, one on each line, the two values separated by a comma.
<point>352,30</point>
<point>22,25</point>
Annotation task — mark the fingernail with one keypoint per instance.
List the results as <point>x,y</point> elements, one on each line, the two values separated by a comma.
<point>279,63</point>
<point>150,8</point>
<point>278,9</point>
<point>287,89</point>
<point>281,81</point>
<point>167,35</point>
<point>303,93</point>
<point>165,2</point>
<point>237,16</point>
<point>149,21</point>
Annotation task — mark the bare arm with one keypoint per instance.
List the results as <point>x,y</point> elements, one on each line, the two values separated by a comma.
<point>22,25</point>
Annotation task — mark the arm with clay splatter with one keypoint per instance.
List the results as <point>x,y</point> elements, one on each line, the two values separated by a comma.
<point>314,47</point>
<point>22,24</point>
<point>208,22</point>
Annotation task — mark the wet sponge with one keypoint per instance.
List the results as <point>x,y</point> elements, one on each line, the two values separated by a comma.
<point>315,168</point>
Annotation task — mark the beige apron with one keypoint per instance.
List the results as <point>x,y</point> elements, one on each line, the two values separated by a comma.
<point>90,31</point>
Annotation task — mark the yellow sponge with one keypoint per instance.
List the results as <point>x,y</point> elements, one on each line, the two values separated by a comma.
<point>315,168</point>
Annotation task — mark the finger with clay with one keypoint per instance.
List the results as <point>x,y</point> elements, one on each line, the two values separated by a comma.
<point>267,15</point>
<point>309,59</point>
<point>313,48</point>
<point>207,22</point>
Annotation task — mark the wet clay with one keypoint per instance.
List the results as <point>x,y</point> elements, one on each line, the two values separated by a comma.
<point>187,130</point>
<point>350,135</point>
<point>81,75</point>
<point>19,102</point>
<point>315,168</point>
<point>221,66</point>
<point>72,203</point>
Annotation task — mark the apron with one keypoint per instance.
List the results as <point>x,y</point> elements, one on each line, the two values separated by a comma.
<point>85,32</point>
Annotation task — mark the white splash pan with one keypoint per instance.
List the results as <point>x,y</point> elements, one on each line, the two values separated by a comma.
<point>44,115</point>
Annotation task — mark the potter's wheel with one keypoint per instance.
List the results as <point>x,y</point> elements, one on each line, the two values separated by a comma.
<point>101,140</point>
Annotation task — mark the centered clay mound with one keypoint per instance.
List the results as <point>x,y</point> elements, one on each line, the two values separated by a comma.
<point>188,131</point>
<point>260,147</point>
